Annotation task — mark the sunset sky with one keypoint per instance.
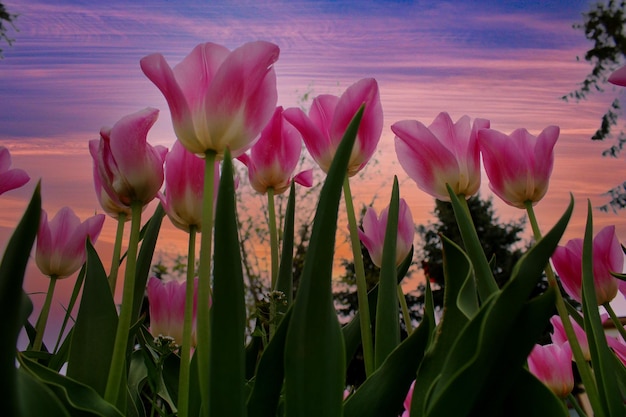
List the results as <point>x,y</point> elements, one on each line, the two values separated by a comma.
<point>74,67</point>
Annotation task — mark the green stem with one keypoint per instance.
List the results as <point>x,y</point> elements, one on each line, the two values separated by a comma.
<point>405,311</point>
<point>118,360</point>
<point>577,407</point>
<point>203,328</point>
<point>185,354</point>
<point>584,370</point>
<point>117,251</point>
<point>618,324</point>
<point>361,284</point>
<point>271,212</point>
<point>43,316</point>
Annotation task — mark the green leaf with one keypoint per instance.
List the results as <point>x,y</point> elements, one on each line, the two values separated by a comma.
<point>78,285</point>
<point>543,402</point>
<point>82,399</point>
<point>284,282</point>
<point>15,307</point>
<point>601,356</point>
<point>457,272</point>
<point>384,391</point>
<point>137,376</point>
<point>485,282</point>
<point>387,323</point>
<point>314,351</point>
<point>228,317</point>
<point>497,340</point>
<point>144,259</point>
<point>94,332</point>
<point>265,395</point>
<point>35,398</point>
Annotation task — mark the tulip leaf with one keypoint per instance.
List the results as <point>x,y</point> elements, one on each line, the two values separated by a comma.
<point>543,401</point>
<point>457,272</point>
<point>137,376</point>
<point>485,282</point>
<point>82,399</point>
<point>601,356</point>
<point>94,332</point>
<point>35,398</point>
<point>15,306</point>
<point>144,260</point>
<point>78,285</point>
<point>228,317</point>
<point>265,395</point>
<point>499,338</point>
<point>314,350</point>
<point>284,283</point>
<point>384,391</point>
<point>387,324</point>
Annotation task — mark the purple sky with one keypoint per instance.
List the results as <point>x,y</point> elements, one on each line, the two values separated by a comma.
<point>74,67</point>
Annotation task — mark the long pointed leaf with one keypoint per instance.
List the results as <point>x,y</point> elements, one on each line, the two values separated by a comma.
<point>94,332</point>
<point>13,305</point>
<point>314,351</point>
<point>387,323</point>
<point>228,317</point>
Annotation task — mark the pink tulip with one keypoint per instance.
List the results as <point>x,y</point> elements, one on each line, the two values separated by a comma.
<point>218,98</point>
<point>374,228</point>
<point>167,309</point>
<point>607,257</point>
<point>275,156</point>
<point>110,207</point>
<point>559,336</point>
<point>618,346</point>
<point>518,165</point>
<point>10,179</point>
<point>329,117</point>
<point>618,77</point>
<point>407,401</point>
<point>443,153</point>
<point>552,365</point>
<point>61,242</point>
<point>129,169</point>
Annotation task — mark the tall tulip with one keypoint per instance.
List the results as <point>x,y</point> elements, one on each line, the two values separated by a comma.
<point>167,309</point>
<point>10,179</point>
<point>552,365</point>
<point>607,257</point>
<point>130,170</point>
<point>559,336</point>
<point>61,242</point>
<point>274,157</point>
<point>218,98</point>
<point>518,165</point>
<point>374,228</point>
<point>60,252</point>
<point>407,401</point>
<point>329,117</point>
<point>442,153</point>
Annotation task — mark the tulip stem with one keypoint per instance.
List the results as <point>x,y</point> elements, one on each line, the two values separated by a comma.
<point>117,251</point>
<point>618,324</point>
<point>43,316</point>
<point>577,407</point>
<point>361,284</point>
<point>271,212</point>
<point>203,328</point>
<point>405,311</point>
<point>583,367</point>
<point>185,352</point>
<point>118,359</point>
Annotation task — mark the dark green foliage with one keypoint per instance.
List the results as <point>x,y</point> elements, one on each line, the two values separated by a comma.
<point>6,19</point>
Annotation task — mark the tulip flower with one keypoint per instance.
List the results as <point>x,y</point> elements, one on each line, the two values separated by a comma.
<point>167,309</point>
<point>618,77</point>
<point>559,336</point>
<point>442,153</point>
<point>374,228</point>
<point>218,98</point>
<point>329,117</point>
<point>607,257</point>
<point>518,165</point>
<point>10,179</point>
<point>129,169</point>
<point>110,206</point>
<point>407,401</point>
<point>552,365</point>
<point>61,242</point>
<point>275,156</point>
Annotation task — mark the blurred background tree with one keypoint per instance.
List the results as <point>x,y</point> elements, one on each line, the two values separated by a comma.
<point>603,25</point>
<point>6,19</point>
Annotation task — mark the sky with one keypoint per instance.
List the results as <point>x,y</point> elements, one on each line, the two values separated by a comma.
<point>74,68</point>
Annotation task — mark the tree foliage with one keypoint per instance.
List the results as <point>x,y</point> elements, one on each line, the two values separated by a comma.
<point>603,25</point>
<point>6,19</point>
